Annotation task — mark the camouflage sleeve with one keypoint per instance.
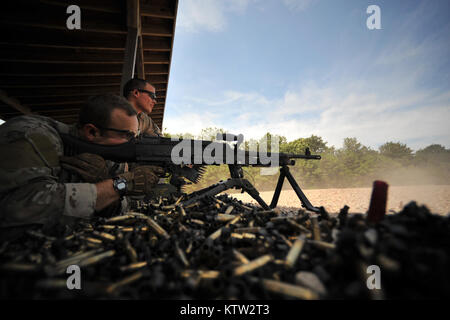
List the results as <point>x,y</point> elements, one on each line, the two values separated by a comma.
<point>44,201</point>
<point>30,186</point>
<point>148,126</point>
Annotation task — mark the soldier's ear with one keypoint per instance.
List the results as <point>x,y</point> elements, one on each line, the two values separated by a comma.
<point>90,132</point>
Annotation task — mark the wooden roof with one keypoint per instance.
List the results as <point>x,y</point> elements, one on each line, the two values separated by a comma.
<point>49,70</point>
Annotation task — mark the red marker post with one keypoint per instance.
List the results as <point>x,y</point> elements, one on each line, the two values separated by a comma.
<point>378,201</point>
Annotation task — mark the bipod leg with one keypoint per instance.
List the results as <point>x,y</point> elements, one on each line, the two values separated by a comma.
<point>245,185</point>
<point>209,191</point>
<point>298,191</point>
<point>277,192</point>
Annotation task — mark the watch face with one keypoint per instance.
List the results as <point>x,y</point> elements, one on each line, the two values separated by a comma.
<point>121,186</point>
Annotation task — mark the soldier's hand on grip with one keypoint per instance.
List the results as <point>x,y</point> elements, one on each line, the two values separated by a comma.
<point>142,179</point>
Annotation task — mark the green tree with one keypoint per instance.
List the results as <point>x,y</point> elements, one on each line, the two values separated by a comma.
<point>210,133</point>
<point>396,150</point>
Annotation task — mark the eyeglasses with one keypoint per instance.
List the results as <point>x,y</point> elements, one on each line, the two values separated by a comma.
<point>128,133</point>
<point>151,94</point>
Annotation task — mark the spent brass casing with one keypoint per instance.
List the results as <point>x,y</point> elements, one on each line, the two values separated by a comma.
<point>130,251</point>
<point>197,221</point>
<point>322,244</point>
<point>289,289</point>
<point>240,257</point>
<point>76,258</point>
<point>156,227</point>
<point>134,266</point>
<point>218,232</point>
<point>181,255</point>
<point>244,235</point>
<point>315,228</point>
<point>295,251</point>
<point>120,218</point>
<point>181,211</point>
<point>225,217</point>
<point>298,226</point>
<point>252,265</point>
<point>104,235</point>
<point>248,229</point>
<point>202,274</point>
<point>229,209</point>
<point>92,260</point>
<point>132,278</point>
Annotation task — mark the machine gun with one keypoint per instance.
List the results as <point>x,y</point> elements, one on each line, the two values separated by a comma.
<point>187,158</point>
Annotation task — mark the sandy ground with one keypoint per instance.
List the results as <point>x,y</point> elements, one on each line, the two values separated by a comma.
<point>436,198</point>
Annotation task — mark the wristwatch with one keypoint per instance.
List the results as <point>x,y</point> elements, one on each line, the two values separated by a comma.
<point>120,185</point>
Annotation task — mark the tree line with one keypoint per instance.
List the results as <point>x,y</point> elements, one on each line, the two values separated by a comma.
<point>353,165</point>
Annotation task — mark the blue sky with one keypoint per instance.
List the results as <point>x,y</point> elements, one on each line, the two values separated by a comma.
<point>302,67</point>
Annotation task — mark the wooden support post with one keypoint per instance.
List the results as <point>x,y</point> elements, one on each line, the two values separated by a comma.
<point>140,59</point>
<point>134,30</point>
<point>13,103</point>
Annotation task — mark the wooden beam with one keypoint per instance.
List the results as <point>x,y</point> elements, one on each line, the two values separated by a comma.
<point>158,10</point>
<point>97,5</point>
<point>61,92</point>
<point>156,79</point>
<point>156,43</point>
<point>45,68</point>
<point>140,60</point>
<point>53,38</point>
<point>18,81</point>
<point>36,53</point>
<point>132,42</point>
<point>38,14</point>
<point>157,69</point>
<point>13,103</point>
<point>151,57</point>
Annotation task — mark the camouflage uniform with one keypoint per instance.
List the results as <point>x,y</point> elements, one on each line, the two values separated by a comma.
<point>148,126</point>
<point>33,187</point>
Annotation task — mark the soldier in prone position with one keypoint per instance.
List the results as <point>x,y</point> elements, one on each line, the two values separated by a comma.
<point>41,183</point>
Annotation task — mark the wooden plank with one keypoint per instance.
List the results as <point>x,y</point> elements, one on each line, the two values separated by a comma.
<point>152,43</point>
<point>17,81</point>
<point>36,53</point>
<point>61,38</point>
<point>37,102</point>
<point>38,14</point>
<point>157,69</point>
<point>159,9</point>
<point>13,103</point>
<point>157,27</point>
<point>61,92</point>
<point>156,57</point>
<point>44,68</point>
<point>115,6</point>
<point>156,79</point>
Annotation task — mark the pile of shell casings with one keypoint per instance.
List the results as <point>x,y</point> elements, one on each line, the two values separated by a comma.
<point>220,248</point>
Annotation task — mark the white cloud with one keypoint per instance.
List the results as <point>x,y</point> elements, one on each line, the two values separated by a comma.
<point>334,112</point>
<point>208,15</point>
<point>378,96</point>
<point>200,14</point>
<point>299,5</point>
